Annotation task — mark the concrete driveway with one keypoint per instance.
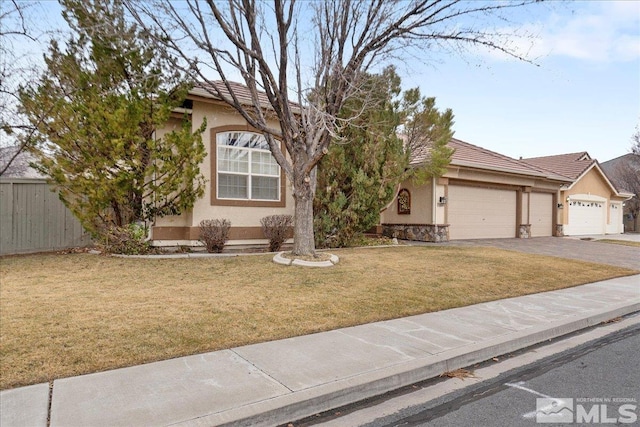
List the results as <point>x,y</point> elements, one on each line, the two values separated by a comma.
<point>566,247</point>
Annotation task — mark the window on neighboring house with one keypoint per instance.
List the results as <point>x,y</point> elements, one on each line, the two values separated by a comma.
<point>245,167</point>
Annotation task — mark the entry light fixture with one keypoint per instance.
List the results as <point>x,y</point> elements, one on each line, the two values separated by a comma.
<point>560,206</point>
<point>442,200</point>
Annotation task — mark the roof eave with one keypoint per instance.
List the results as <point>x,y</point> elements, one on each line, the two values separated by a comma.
<point>204,93</point>
<point>509,171</point>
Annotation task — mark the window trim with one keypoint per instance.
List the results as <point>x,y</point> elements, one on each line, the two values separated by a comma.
<point>215,201</point>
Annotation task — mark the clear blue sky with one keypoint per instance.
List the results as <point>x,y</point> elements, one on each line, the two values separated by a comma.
<point>583,94</point>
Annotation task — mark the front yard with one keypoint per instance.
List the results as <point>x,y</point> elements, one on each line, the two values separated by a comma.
<point>64,315</point>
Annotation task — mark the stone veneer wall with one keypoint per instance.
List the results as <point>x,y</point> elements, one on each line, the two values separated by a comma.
<point>559,230</point>
<point>422,232</point>
<point>524,231</point>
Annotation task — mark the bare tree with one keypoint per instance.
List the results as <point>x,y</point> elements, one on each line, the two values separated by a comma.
<point>15,132</point>
<point>627,178</point>
<point>301,61</point>
<point>635,141</point>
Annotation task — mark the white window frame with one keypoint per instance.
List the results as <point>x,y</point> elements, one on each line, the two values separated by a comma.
<point>221,137</point>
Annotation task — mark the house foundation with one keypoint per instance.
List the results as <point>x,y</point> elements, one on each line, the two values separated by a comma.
<point>436,233</point>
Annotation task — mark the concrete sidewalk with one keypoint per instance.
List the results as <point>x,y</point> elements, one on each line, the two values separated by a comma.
<point>280,381</point>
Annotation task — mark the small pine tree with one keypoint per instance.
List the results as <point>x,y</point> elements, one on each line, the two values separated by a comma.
<point>361,172</point>
<point>427,131</point>
<point>97,108</point>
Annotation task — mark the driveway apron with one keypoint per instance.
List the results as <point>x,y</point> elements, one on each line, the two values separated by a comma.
<point>564,247</point>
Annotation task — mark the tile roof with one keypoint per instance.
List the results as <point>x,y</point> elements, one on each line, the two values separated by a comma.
<point>469,155</point>
<point>571,165</point>
<point>241,91</point>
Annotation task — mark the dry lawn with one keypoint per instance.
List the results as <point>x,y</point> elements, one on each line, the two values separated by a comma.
<point>64,315</point>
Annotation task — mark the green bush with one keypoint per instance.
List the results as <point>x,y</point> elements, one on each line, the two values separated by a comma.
<point>214,233</point>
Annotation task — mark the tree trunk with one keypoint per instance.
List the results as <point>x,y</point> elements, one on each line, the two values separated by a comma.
<point>303,238</point>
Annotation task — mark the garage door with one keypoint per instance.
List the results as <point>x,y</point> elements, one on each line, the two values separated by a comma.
<point>615,219</point>
<point>541,214</point>
<point>477,213</point>
<point>586,217</point>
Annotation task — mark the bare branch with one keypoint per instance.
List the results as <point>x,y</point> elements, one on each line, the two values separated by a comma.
<point>338,41</point>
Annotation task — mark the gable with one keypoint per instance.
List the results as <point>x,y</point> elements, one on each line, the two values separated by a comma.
<point>593,182</point>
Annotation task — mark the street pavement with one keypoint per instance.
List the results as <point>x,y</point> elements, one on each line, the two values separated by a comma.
<point>277,382</point>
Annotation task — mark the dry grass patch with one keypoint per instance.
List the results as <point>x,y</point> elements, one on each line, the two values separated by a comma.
<point>64,315</point>
<point>619,242</point>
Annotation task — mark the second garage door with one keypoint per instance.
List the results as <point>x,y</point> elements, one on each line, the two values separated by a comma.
<point>541,214</point>
<point>586,217</point>
<point>478,213</point>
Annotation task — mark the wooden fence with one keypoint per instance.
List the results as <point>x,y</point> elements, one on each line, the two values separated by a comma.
<point>33,219</point>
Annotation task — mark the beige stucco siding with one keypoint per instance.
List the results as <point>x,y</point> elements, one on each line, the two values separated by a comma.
<point>421,206</point>
<point>488,176</point>
<point>218,116</point>
<point>246,217</point>
<point>591,183</point>
<point>525,198</point>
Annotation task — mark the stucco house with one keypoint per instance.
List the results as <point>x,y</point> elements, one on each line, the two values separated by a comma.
<point>244,182</point>
<point>591,204</point>
<point>483,194</point>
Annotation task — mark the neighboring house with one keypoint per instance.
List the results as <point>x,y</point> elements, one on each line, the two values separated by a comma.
<point>624,173</point>
<point>483,194</point>
<point>591,204</point>
<point>244,182</point>
<point>20,165</point>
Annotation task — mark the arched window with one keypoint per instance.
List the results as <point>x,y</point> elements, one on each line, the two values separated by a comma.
<point>243,171</point>
<point>246,168</point>
<point>404,202</point>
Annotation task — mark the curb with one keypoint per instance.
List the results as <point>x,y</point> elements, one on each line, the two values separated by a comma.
<point>279,259</point>
<point>305,403</point>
